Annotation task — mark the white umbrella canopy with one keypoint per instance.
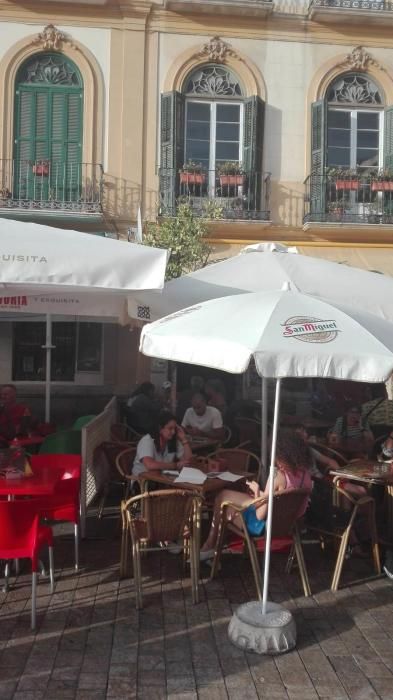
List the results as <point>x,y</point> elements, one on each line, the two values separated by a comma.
<point>37,259</point>
<point>289,334</point>
<point>264,267</point>
<point>64,272</point>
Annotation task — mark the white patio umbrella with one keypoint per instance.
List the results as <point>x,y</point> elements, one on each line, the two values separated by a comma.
<point>48,270</point>
<point>289,334</point>
<point>267,266</point>
<point>264,267</point>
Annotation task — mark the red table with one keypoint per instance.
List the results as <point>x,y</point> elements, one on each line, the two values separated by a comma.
<point>40,484</point>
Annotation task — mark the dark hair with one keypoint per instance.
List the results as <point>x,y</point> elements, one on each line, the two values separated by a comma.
<point>164,417</point>
<point>292,450</point>
<point>146,388</point>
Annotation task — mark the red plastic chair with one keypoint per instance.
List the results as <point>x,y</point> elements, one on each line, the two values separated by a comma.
<point>64,505</point>
<point>22,537</point>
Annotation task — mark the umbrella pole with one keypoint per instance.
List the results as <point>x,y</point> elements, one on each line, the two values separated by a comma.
<point>267,628</point>
<point>48,348</point>
<point>264,430</point>
<point>268,539</point>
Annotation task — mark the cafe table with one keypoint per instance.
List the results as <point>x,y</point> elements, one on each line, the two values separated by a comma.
<point>42,483</point>
<point>369,471</point>
<point>210,486</point>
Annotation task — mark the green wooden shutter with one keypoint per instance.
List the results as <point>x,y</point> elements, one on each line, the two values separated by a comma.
<point>48,126</point>
<point>172,148</point>
<point>388,139</point>
<point>254,124</point>
<point>318,158</point>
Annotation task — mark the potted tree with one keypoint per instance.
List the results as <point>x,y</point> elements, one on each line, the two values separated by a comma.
<point>382,181</point>
<point>344,178</point>
<point>192,174</point>
<point>231,174</point>
<point>41,167</point>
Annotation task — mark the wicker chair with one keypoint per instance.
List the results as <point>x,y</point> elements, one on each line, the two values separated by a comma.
<point>115,473</point>
<point>286,507</point>
<point>239,460</point>
<point>166,515</point>
<point>341,525</point>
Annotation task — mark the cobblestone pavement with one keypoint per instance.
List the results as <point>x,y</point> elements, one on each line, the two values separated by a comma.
<point>91,643</point>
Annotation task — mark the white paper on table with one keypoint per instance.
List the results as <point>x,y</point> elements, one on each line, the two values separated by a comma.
<point>190,475</point>
<point>228,476</point>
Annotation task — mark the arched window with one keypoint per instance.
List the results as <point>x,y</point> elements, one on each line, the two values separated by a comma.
<point>354,123</point>
<point>48,129</point>
<point>211,126</point>
<point>214,117</point>
<point>348,124</point>
<point>351,144</point>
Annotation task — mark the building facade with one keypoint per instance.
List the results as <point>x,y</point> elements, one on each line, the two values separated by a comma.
<point>273,119</point>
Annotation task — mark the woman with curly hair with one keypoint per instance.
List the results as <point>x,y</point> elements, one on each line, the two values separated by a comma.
<point>292,472</point>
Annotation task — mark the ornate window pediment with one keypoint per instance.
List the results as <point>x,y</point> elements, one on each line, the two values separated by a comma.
<point>49,69</point>
<point>354,89</point>
<point>213,81</point>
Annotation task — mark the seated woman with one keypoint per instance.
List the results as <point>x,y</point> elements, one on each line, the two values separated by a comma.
<point>166,443</point>
<point>351,425</point>
<point>292,472</point>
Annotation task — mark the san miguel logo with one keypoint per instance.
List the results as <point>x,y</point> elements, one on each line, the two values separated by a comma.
<point>310,330</point>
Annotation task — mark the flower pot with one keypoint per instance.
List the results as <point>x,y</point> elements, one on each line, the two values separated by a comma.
<point>231,180</point>
<point>347,184</point>
<point>382,186</point>
<point>192,178</point>
<point>41,169</point>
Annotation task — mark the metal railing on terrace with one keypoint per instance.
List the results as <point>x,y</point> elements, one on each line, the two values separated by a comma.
<point>215,194</point>
<point>378,6</point>
<point>349,198</point>
<point>49,185</point>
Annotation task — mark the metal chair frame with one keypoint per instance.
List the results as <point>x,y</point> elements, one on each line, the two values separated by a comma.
<point>280,529</point>
<point>142,530</point>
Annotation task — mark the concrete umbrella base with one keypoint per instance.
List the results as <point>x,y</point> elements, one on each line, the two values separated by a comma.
<point>272,633</point>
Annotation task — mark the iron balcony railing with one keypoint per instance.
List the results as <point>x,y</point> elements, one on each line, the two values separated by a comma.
<point>51,185</point>
<point>382,5</point>
<point>214,194</point>
<point>349,198</point>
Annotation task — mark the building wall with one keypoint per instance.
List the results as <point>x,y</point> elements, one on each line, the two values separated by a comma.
<point>132,50</point>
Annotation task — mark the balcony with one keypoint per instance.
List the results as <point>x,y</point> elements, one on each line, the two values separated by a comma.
<point>348,199</point>
<point>247,8</point>
<point>351,11</point>
<point>45,187</point>
<point>214,195</point>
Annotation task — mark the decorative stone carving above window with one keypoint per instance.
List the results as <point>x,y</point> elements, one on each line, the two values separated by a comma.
<point>354,89</point>
<point>52,39</point>
<point>360,59</point>
<point>217,50</point>
<point>49,70</point>
<point>213,81</point>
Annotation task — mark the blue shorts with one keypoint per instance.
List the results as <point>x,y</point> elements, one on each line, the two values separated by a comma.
<point>254,526</point>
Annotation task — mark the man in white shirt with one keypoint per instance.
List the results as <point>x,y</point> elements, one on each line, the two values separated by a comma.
<point>203,420</point>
